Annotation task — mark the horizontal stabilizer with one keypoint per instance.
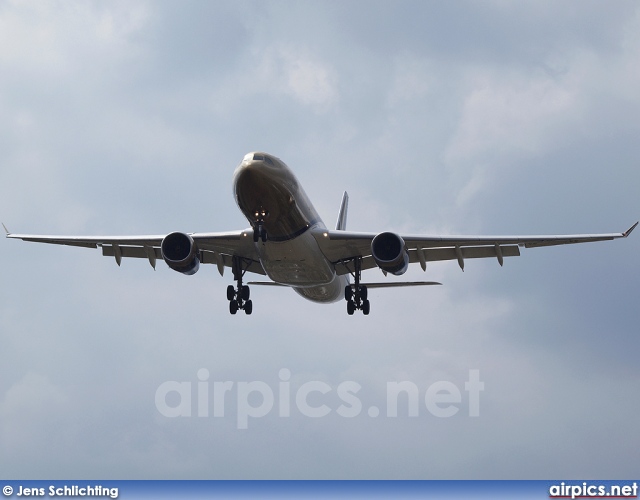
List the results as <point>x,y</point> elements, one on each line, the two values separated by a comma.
<point>368,285</point>
<point>391,284</point>
<point>266,283</point>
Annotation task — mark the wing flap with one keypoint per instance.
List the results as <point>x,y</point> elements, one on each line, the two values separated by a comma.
<point>348,267</point>
<point>437,254</point>
<point>127,251</point>
<point>450,253</point>
<point>206,257</point>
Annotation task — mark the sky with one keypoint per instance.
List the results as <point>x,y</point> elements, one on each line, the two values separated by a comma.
<point>463,117</point>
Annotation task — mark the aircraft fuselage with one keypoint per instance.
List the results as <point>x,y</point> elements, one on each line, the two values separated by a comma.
<point>272,200</point>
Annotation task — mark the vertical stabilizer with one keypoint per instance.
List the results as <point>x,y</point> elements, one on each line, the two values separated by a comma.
<point>341,225</point>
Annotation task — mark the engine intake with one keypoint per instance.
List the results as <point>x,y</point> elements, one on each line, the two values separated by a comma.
<point>390,253</point>
<point>180,253</point>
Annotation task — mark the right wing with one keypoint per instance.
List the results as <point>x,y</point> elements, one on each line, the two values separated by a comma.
<point>214,248</point>
<point>341,247</point>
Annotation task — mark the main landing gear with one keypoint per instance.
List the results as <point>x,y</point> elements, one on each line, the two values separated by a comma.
<point>356,295</point>
<point>239,297</point>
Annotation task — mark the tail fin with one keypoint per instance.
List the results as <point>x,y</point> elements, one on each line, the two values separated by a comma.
<point>341,225</point>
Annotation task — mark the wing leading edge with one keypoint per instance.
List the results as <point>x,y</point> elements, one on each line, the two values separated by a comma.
<point>214,248</point>
<point>341,247</point>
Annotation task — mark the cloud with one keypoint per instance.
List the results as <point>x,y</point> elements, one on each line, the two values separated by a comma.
<point>444,118</point>
<point>42,39</point>
<point>294,72</point>
<point>30,412</point>
<point>509,116</point>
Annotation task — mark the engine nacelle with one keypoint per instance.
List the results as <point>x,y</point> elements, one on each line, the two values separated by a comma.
<point>180,253</point>
<point>390,253</point>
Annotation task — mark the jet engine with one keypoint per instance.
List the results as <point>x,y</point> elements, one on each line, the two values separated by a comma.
<point>390,253</point>
<point>180,253</point>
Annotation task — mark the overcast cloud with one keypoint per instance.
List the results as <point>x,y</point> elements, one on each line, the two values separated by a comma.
<point>439,117</point>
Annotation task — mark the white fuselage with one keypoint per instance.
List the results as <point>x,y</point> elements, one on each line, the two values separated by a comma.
<point>269,195</point>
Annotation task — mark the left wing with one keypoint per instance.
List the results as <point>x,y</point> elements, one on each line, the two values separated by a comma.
<point>213,248</point>
<point>342,247</point>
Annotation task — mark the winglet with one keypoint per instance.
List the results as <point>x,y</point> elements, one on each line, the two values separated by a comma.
<point>6,230</point>
<point>625,234</point>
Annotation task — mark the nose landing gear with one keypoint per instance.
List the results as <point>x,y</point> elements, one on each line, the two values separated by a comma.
<point>259,232</point>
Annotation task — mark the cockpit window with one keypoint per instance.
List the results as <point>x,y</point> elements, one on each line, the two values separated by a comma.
<point>264,158</point>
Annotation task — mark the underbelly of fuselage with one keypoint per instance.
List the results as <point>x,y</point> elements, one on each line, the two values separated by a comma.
<point>299,263</point>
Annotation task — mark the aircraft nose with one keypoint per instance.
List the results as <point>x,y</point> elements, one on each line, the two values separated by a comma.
<point>259,158</point>
<point>248,158</point>
<point>256,168</point>
<point>247,166</point>
<point>249,172</point>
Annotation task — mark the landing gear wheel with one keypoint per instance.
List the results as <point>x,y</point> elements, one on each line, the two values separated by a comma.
<point>351,307</point>
<point>366,307</point>
<point>348,293</point>
<point>233,307</point>
<point>238,296</point>
<point>357,295</point>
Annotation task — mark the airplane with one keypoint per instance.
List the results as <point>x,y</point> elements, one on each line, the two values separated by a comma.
<point>288,242</point>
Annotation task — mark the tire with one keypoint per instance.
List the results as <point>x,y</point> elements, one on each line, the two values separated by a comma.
<point>366,307</point>
<point>363,292</point>
<point>245,292</point>
<point>233,307</point>
<point>231,293</point>
<point>348,293</point>
<point>351,307</point>
<point>248,307</point>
